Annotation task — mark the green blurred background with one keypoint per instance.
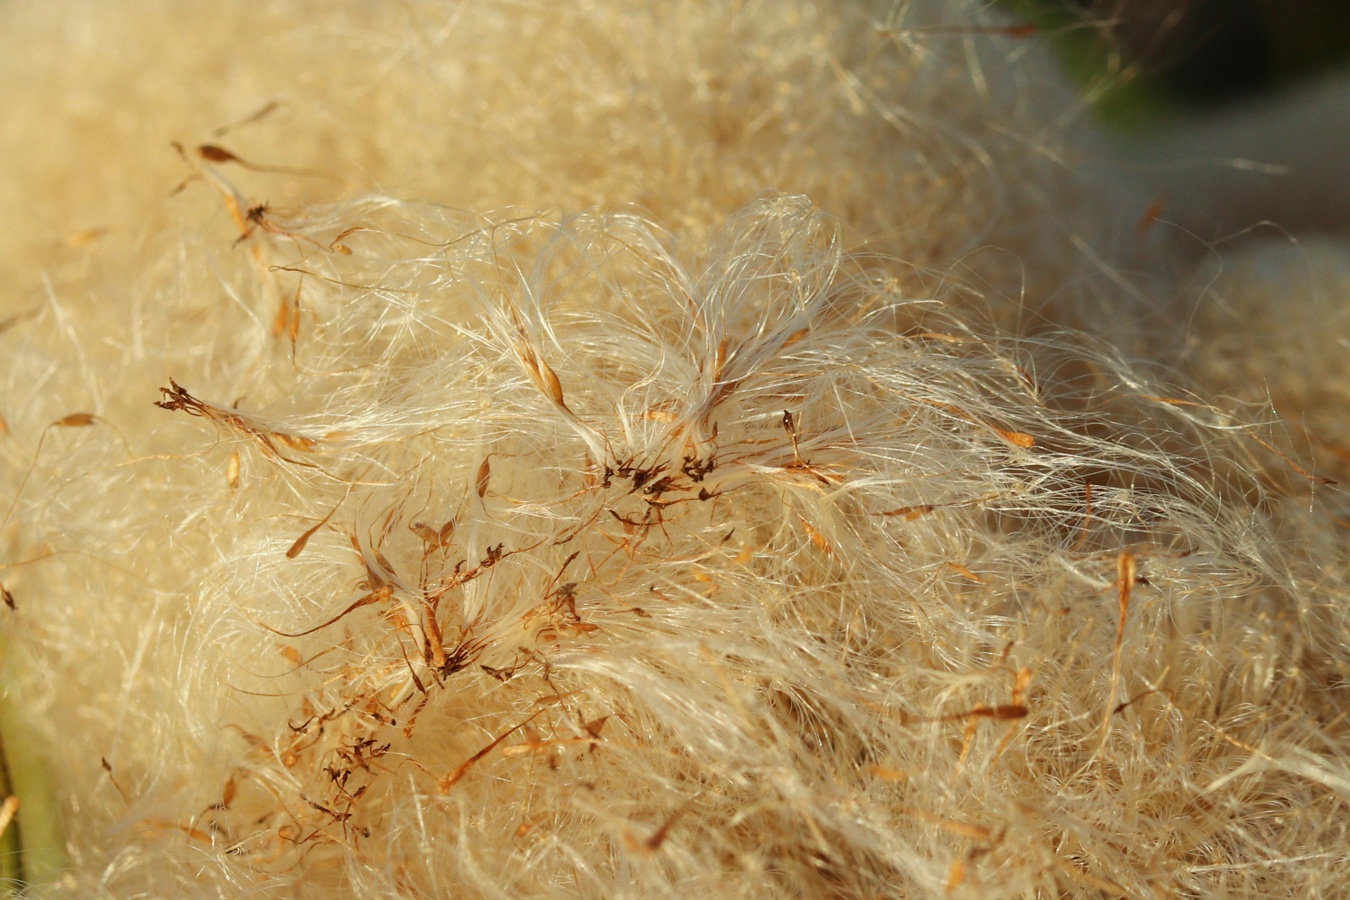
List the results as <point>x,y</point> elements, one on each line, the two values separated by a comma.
<point>1149,61</point>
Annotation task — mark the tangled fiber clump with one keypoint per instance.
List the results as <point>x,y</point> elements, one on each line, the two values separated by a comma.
<point>522,553</point>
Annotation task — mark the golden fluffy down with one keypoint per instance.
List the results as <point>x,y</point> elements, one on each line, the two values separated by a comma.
<point>626,449</point>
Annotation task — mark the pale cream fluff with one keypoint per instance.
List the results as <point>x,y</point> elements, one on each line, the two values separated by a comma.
<point>629,449</point>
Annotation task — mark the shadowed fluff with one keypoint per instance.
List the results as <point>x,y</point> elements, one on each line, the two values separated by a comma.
<point>627,451</point>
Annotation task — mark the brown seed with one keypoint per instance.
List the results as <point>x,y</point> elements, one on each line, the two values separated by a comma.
<point>484,473</point>
<point>426,533</point>
<point>212,153</point>
<point>1017,438</point>
<point>298,547</point>
<point>551,382</point>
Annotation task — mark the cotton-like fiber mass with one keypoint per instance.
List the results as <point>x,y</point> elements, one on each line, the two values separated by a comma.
<point>635,449</point>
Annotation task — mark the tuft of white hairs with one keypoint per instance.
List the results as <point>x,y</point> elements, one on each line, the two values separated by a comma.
<point>637,451</point>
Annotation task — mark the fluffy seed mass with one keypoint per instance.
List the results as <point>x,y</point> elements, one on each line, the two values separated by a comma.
<point>632,449</point>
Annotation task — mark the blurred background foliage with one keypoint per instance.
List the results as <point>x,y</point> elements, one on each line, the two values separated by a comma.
<point>1145,62</point>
